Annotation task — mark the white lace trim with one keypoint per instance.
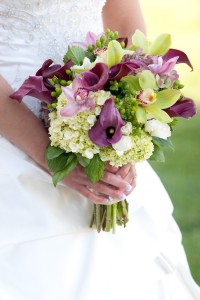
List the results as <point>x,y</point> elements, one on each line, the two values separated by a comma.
<point>32,31</point>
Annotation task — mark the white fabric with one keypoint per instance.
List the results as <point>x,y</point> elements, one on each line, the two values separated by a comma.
<point>47,250</point>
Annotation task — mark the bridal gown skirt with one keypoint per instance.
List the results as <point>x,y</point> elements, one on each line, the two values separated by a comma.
<point>48,251</point>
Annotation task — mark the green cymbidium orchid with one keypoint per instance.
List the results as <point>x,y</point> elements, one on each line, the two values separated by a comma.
<point>159,46</point>
<point>153,103</point>
<point>114,53</point>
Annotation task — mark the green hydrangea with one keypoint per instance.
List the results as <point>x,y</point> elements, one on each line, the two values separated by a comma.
<point>141,150</point>
<point>71,133</point>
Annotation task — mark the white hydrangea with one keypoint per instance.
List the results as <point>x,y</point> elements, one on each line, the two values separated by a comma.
<point>100,96</point>
<point>158,129</point>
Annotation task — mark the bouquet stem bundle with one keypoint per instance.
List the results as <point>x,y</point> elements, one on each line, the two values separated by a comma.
<point>106,217</point>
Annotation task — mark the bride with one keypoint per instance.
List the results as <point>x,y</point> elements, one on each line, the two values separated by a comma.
<point>47,250</point>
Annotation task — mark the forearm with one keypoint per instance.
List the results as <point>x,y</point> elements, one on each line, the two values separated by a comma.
<point>19,125</point>
<point>123,16</point>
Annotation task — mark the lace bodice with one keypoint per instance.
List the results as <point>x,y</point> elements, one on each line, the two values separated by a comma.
<point>34,30</point>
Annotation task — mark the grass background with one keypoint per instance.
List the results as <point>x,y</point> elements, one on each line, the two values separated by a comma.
<point>181,171</point>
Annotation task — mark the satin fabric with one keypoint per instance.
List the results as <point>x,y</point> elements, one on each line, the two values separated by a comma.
<point>47,250</point>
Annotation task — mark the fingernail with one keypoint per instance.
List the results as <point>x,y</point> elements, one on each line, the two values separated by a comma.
<point>106,200</point>
<point>122,196</point>
<point>110,198</point>
<point>128,188</point>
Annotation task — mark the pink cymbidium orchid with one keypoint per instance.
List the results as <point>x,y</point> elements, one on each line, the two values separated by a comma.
<point>91,39</point>
<point>161,66</point>
<point>78,99</point>
<point>107,129</point>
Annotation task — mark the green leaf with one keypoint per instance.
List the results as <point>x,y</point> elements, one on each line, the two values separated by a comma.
<point>167,98</point>
<point>147,80</point>
<point>76,53</point>
<point>95,169</point>
<point>141,115</point>
<point>139,40</point>
<point>58,163</point>
<point>83,161</point>
<point>132,81</point>
<point>161,45</point>
<point>157,113</point>
<point>60,175</point>
<point>114,53</point>
<point>157,155</point>
<point>53,152</point>
<point>162,143</point>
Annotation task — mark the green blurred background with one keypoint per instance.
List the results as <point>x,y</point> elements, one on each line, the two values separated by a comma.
<point>181,171</point>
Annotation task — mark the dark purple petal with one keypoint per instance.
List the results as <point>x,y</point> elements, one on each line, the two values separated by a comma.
<point>123,69</point>
<point>48,71</point>
<point>33,86</point>
<point>45,66</point>
<point>96,78</point>
<point>118,71</point>
<point>182,57</point>
<point>123,39</point>
<point>184,108</point>
<point>109,118</point>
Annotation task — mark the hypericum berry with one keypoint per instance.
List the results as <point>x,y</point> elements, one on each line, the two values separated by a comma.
<point>90,48</point>
<point>102,38</point>
<point>58,91</point>
<point>63,82</point>
<point>98,44</point>
<point>122,44</point>
<point>53,94</point>
<point>55,80</point>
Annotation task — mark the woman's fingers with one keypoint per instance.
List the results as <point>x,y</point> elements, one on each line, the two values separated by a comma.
<point>116,181</point>
<point>111,188</point>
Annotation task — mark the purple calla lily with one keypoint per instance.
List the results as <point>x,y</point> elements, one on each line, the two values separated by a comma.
<point>184,108</point>
<point>38,86</point>
<point>124,68</point>
<point>47,72</point>
<point>34,87</point>
<point>107,129</point>
<point>96,78</point>
<point>182,57</point>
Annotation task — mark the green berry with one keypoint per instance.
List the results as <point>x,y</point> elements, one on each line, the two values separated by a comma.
<point>53,94</point>
<point>63,82</point>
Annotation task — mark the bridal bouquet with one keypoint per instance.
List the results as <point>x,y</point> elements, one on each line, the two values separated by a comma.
<point>109,103</point>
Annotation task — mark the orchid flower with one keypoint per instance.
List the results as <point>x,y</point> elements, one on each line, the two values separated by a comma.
<point>154,103</point>
<point>78,99</point>
<point>91,39</point>
<point>107,129</point>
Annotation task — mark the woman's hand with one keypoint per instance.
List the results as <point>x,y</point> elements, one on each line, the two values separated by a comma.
<point>116,184</point>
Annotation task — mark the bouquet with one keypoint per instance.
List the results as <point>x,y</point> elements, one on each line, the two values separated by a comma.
<point>109,103</point>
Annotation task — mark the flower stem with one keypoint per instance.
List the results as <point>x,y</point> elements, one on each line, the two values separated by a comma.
<point>108,217</point>
<point>114,217</point>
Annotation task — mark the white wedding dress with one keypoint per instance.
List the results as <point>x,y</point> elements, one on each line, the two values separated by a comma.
<point>47,250</point>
